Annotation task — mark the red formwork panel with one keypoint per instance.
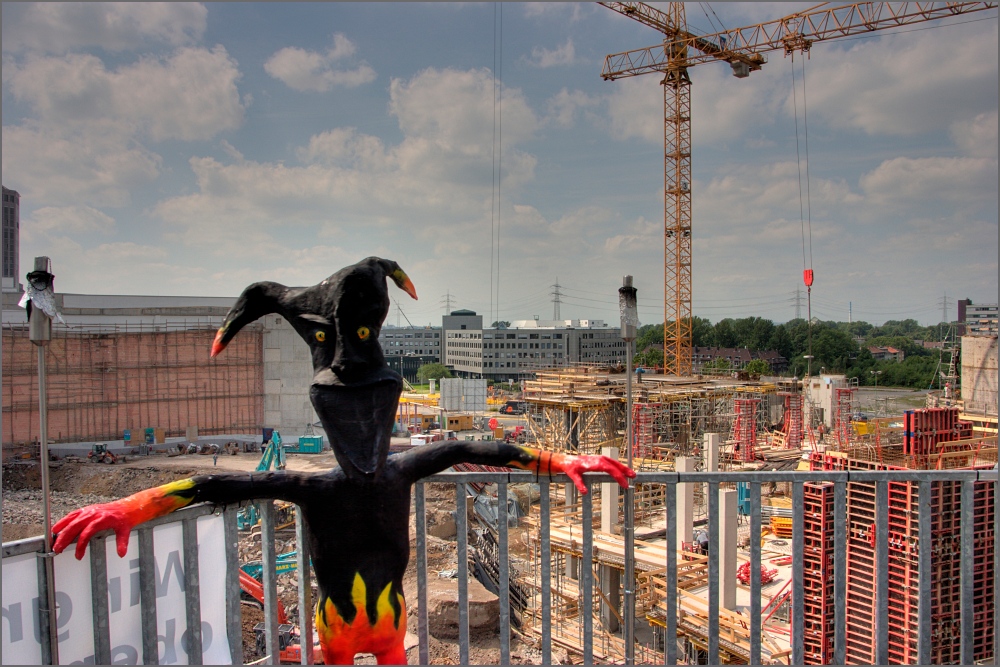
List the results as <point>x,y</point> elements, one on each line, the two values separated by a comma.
<point>817,577</point>
<point>904,547</point>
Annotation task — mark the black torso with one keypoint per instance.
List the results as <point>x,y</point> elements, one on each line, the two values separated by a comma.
<point>358,528</point>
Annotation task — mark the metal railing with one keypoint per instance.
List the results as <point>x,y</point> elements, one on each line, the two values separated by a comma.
<point>840,479</point>
<point>148,586</point>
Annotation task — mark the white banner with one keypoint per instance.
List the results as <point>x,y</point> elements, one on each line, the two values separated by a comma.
<point>73,598</point>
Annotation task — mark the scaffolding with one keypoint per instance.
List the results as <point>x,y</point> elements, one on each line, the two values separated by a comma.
<point>104,380</point>
<point>744,433</point>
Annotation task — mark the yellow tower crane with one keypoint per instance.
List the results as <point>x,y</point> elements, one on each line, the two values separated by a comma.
<point>744,49</point>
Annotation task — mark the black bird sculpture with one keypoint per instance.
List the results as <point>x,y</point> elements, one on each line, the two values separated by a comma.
<point>357,514</point>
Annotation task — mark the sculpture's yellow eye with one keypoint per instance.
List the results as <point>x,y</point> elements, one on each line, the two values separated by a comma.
<point>363,333</point>
<point>321,336</point>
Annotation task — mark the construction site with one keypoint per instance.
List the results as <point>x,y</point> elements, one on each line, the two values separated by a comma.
<point>740,426</point>
<point>678,424</point>
<point>736,571</point>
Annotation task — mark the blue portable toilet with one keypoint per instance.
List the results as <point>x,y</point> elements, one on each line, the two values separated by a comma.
<point>743,498</point>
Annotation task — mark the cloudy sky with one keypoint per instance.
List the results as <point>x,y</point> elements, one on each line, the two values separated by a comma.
<point>196,148</point>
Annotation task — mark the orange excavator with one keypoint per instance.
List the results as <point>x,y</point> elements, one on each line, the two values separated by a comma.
<point>289,641</point>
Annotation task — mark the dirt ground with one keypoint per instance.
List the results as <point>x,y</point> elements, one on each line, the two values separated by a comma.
<point>78,483</point>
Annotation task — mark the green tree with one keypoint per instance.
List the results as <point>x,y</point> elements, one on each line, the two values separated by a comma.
<point>757,367</point>
<point>649,334</point>
<point>500,324</point>
<point>723,334</point>
<point>781,342</point>
<point>651,356</point>
<point>432,371</point>
<point>701,331</point>
<point>753,333</point>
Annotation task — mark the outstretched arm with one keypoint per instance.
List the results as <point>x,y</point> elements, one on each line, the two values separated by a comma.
<point>427,460</point>
<point>125,514</point>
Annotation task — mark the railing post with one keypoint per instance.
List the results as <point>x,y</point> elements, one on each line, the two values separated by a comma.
<point>713,573</point>
<point>504,564</point>
<point>462,527</point>
<point>670,638</point>
<point>840,573</point>
<point>967,573</point>
<point>754,573</point>
<point>881,573</point>
<point>234,611</point>
<point>270,581</point>
<point>798,592</point>
<point>419,507</point>
<point>147,597</point>
<point>545,511</point>
<point>302,557</point>
<point>587,577</point>
<point>924,643</point>
<point>99,598</point>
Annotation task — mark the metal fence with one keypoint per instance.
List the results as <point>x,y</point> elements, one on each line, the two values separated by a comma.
<point>147,586</point>
<point>840,479</point>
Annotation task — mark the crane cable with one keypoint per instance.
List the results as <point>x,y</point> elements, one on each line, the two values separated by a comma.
<point>497,156</point>
<point>805,217</point>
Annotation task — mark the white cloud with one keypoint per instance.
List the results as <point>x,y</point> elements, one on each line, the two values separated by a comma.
<point>84,142</point>
<point>97,167</point>
<point>60,27</point>
<point>564,106</point>
<point>956,181</point>
<point>309,71</point>
<point>68,220</point>
<point>440,173</point>
<point>976,137</point>
<point>456,109</point>
<point>561,55</point>
<point>190,95</point>
<point>563,11</point>
<point>902,84</point>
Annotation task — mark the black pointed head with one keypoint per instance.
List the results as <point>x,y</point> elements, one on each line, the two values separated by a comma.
<point>257,300</point>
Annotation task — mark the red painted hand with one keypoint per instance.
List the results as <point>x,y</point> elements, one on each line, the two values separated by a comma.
<point>575,466</point>
<point>84,523</point>
<point>121,516</point>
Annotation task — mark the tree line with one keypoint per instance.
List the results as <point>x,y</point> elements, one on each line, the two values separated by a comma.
<point>834,347</point>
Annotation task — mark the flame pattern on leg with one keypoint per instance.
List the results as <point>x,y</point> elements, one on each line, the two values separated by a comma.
<point>383,635</point>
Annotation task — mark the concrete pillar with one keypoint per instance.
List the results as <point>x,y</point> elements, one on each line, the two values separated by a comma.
<point>610,576</point>
<point>685,501</point>
<point>712,441</point>
<point>609,497</point>
<point>572,563</point>
<point>727,548</point>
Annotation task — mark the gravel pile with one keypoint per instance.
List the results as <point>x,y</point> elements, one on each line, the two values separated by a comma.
<point>24,507</point>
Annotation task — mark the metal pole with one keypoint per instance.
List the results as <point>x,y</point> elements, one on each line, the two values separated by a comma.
<point>629,325</point>
<point>40,334</point>
<point>629,520</point>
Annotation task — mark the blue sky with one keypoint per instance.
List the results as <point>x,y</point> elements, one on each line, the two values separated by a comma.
<point>196,148</point>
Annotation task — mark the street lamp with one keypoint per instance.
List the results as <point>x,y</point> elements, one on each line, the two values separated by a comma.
<point>809,361</point>
<point>876,374</point>
<point>40,302</point>
<point>630,324</point>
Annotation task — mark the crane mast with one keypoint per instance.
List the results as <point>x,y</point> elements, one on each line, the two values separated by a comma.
<point>744,49</point>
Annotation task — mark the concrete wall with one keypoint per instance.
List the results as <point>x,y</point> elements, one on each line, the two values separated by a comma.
<point>288,375</point>
<point>979,374</point>
<point>101,383</point>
